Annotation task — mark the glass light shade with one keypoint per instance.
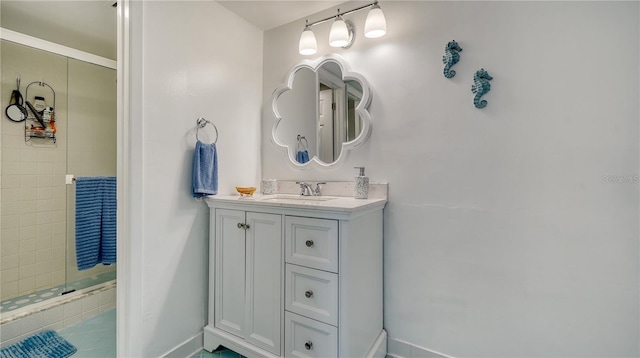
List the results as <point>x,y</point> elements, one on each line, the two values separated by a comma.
<point>308,44</point>
<point>339,35</point>
<point>376,24</point>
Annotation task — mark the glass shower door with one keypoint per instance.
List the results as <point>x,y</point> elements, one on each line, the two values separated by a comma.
<point>91,152</point>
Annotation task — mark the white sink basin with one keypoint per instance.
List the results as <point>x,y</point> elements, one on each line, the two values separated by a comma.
<point>296,198</point>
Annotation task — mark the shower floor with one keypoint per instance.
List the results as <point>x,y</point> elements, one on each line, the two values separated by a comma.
<point>42,295</point>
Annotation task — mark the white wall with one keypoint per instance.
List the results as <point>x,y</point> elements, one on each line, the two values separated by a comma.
<point>503,236</point>
<point>189,60</point>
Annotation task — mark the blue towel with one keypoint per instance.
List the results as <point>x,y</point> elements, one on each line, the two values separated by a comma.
<point>95,221</point>
<point>205,170</point>
<point>303,156</point>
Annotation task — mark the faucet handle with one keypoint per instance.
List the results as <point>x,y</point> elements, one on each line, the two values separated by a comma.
<point>317,190</point>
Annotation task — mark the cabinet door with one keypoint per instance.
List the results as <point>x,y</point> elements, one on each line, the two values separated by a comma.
<point>230,272</point>
<point>264,281</point>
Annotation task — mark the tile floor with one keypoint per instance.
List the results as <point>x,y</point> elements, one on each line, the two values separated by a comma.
<point>96,338</point>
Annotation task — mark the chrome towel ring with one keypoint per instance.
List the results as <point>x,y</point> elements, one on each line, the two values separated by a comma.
<point>201,123</point>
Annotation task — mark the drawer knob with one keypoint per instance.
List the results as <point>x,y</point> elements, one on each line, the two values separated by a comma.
<point>308,294</point>
<point>309,243</point>
<point>308,345</point>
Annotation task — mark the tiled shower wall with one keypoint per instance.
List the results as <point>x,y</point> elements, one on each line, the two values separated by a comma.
<point>33,241</point>
<point>33,247</point>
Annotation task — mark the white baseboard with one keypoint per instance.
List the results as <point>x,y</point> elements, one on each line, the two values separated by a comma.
<point>379,348</point>
<point>187,348</point>
<point>398,348</point>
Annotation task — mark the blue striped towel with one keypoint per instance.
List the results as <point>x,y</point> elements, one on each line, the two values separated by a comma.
<point>95,221</point>
<point>205,170</point>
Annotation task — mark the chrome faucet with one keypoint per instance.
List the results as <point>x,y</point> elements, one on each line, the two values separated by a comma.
<point>305,188</point>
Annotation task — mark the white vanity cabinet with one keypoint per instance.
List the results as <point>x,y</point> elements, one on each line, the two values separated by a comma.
<point>247,276</point>
<point>296,279</point>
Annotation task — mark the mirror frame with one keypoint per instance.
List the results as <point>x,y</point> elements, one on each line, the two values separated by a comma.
<point>362,109</point>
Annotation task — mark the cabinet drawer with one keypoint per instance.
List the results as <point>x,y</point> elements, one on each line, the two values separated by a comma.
<point>312,293</point>
<point>312,242</point>
<point>305,337</point>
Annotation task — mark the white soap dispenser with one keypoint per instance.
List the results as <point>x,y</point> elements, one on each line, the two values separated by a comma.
<point>361,185</point>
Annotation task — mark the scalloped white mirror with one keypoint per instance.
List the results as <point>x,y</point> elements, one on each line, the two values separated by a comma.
<point>321,112</point>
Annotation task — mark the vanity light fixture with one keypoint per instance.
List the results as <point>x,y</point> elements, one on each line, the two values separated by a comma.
<point>342,33</point>
<point>376,24</point>
<point>308,44</point>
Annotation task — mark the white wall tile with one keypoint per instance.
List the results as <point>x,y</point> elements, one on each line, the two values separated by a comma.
<point>107,297</point>
<point>72,309</point>
<point>27,258</point>
<point>27,284</point>
<point>9,275</point>
<point>9,262</point>
<point>27,245</point>
<point>10,248</point>
<point>11,195</point>
<point>28,232</point>
<point>43,244</point>
<point>53,315</point>
<point>32,323</point>
<point>28,206</point>
<point>11,330</point>
<point>44,267</point>
<point>10,289</point>
<point>68,321</point>
<point>10,234</point>
<point>90,302</point>
<point>10,221</point>
<point>43,280</point>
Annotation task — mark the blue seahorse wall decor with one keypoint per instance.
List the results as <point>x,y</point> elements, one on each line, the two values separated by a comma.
<point>450,58</point>
<point>480,87</point>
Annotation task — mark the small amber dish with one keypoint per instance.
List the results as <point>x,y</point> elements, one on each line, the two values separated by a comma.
<point>246,191</point>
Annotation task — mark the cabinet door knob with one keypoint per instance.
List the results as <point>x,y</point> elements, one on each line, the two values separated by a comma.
<point>308,294</point>
<point>309,243</point>
<point>240,226</point>
<point>247,226</point>
<point>308,345</point>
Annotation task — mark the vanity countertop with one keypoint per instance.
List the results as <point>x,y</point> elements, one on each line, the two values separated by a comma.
<point>333,203</point>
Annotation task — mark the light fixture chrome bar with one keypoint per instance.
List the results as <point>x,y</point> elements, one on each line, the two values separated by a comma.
<point>340,14</point>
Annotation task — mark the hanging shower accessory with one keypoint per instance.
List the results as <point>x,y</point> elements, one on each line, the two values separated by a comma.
<point>40,123</point>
